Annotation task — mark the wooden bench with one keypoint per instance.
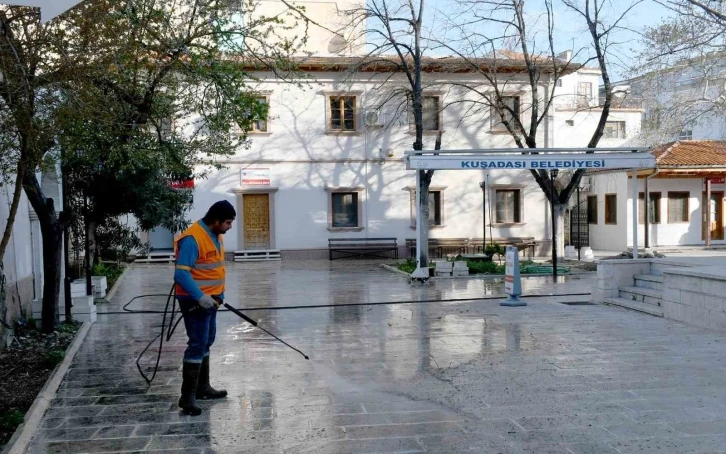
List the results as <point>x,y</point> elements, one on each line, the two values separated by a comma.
<point>363,247</point>
<point>439,247</point>
<point>522,243</point>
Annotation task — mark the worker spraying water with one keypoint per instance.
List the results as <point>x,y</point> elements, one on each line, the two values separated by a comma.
<point>200,278</point>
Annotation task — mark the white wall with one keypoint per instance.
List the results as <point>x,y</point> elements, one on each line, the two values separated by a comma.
<point>304,158</point>
<point>301,202</point>
<point>330,18</point>
<point>584,123</point>
<point>661,234</point>
<point>667,234</point>
<point>609,237</point>
<point>18,261</point>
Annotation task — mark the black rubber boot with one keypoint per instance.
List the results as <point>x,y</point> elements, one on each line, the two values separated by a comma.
<point>204,389</point>
<point>188,400</point>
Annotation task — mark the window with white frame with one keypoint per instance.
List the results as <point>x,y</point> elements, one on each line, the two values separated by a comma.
<point>232,5</point>
<point>261,125</point>
<point>614,130</point>
<point>342,113</point>
<point>592,209</point>
<point>436,206</point>
<point>584,94</point>
<point>508,204</point>
<point>686,134</point>
<point>611,208</point>
<point>345,209</point>
<point>509,108</point>
<point>431,113</point>
<point>678,207</point>
<point>653,208</point>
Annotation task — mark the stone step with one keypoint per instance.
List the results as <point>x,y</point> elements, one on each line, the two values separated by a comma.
<point>650,281</point>
<point>636,306</point>
<point>643,295</point>
<point>156,257</point>
<point>649,277</point>
<point>268,255</point>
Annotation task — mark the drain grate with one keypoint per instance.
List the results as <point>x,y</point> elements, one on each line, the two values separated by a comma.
<point>577,303</point>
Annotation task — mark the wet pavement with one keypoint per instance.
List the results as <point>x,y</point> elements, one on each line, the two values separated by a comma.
<point>454,374</point>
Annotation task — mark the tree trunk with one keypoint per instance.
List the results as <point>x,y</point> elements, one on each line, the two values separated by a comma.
<point>424,217</point>
<point>17,192</point>
<point>52,230</point>
<point>91,227</point>
<point>560,210</point>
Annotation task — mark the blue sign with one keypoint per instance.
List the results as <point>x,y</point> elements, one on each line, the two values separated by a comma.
<point>548,164</point>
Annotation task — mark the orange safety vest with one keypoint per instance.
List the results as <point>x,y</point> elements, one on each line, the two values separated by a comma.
<point>208,272</point>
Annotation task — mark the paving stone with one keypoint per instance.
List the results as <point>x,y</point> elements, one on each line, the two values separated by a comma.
<point>114,432</point>
<point>681,445</point>
<point>79,433</point>
<point>380,446</point>
<point>173,429</point>
<point>575,420</point>
<point>456,377</point>
<point>591,448</point>
<point>179,441</point>
<point>671,416</point>
<point>402,430</point>
<point>93,446</point>
<point>701,428</point>
<point>634,431</point>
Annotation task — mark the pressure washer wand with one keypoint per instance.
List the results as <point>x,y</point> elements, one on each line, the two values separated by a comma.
<point>254,323</point>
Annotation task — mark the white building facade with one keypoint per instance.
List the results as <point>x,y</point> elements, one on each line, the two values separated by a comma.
<point>677,194</point>
<point>328,163</point>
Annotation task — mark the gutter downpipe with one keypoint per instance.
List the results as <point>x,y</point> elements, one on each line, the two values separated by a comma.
<point>646,201</point>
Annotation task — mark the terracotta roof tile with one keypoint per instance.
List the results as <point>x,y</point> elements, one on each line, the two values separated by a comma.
<point>392,63</point>
<point>691,153</point>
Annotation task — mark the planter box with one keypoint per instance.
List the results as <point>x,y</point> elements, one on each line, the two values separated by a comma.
<point>78,288</point>
<point>100,282</point>
<point>100,285</point>
<point>461,269</point>
<point>443,268</point>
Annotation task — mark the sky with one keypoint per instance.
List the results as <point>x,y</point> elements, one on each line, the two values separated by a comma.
<point>570,28</point>
<point>48,8</point>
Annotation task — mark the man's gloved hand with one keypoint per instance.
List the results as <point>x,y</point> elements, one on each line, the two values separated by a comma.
<point>207,302</point>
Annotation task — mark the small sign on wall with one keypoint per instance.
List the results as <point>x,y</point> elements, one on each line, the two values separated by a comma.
<point>719,180</point>
<point>255,176</point>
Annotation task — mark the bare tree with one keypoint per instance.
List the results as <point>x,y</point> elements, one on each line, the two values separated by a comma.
<point>393,31</point>
<point>508,36</point>
<point>682,70</point>
<point>146,62</point>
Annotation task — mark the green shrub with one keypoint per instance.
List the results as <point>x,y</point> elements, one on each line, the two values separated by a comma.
<point>53,358</point>
<point>11,420</point>
<point>409,266</point>
<point>485,268</point>
<point>68,327</point>
<point>112,272</point>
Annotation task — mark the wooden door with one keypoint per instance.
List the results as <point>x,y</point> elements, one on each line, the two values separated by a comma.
<point>716,207</point>
<point>256,221</point>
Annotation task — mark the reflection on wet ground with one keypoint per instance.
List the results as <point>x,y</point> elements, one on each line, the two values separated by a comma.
<point>445,376</point>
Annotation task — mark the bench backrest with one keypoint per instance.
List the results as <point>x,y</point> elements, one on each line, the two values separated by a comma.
<point>361,241</point>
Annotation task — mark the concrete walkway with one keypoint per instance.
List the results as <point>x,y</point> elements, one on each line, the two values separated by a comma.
<point>438,377</point>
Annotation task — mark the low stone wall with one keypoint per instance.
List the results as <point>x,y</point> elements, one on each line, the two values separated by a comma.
<point>696,295</point>
<point>613,274</point>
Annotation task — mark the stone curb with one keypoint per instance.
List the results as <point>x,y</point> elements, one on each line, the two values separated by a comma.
<point>486,276</point>
<point>395,270</point>
<point>25,432</point>
<point>115,287</point>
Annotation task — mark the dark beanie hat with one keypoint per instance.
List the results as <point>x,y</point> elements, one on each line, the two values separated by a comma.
<point>220,211</point>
